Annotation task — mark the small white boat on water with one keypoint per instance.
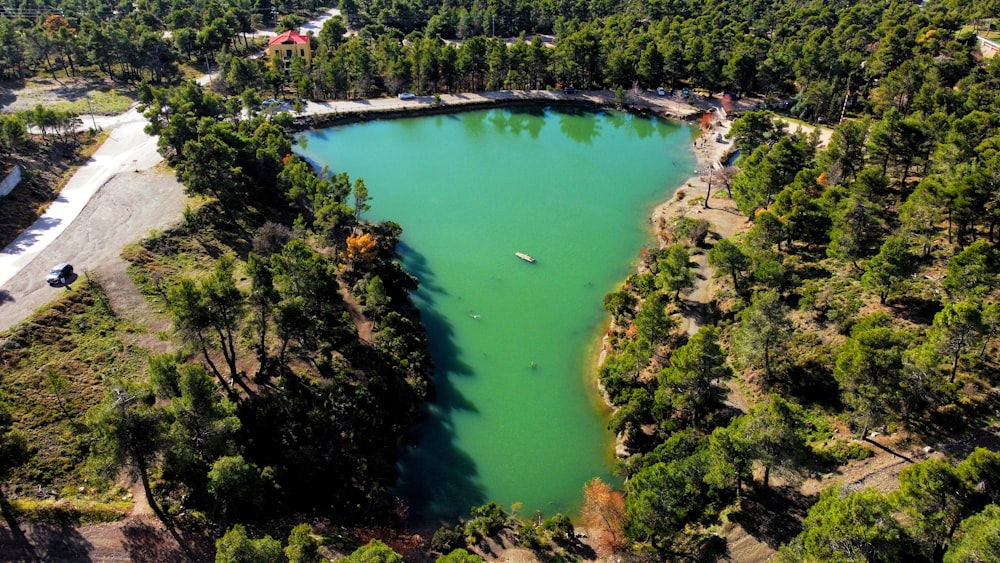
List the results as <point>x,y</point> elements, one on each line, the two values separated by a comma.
<point>524,257</point>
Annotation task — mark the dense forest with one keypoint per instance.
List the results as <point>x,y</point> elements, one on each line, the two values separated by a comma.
<point>862,295</point>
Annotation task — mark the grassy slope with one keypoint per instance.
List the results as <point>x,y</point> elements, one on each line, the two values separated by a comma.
<point>56,364</point>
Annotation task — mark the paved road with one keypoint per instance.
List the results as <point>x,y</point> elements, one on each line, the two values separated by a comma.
<point>116,198</point>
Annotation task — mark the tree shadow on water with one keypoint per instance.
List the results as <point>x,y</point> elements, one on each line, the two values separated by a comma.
<point>437,478</point>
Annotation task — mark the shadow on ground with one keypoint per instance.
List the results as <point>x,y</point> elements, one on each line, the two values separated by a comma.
<point>774,516</point>
<point>145,543</point>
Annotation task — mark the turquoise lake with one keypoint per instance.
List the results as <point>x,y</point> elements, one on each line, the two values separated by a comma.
<point>517,417</point>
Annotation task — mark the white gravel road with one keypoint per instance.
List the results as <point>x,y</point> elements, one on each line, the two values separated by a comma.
<point>114,199</point>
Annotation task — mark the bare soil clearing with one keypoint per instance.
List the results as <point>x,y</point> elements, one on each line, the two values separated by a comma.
<point>82,95</point>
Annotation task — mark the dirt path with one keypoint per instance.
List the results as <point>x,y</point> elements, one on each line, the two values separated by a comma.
<point>363,324</point>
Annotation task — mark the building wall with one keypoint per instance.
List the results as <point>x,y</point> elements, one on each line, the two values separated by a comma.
<point>12,179</point>
<point>988,48</point>
<point>290,51</point>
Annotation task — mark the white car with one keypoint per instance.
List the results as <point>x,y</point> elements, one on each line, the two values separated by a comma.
<point>660,91</point>
<point>407,95</point>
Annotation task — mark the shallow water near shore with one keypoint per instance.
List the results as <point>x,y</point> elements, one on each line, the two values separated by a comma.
<point>517,416</point>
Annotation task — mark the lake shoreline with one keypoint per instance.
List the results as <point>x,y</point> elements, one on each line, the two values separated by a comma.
<point>712,149</point>
<point>318,115</point>
<point>710,155</point>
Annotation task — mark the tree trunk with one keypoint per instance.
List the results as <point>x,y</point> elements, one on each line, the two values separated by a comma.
<point>213,367</point>
<point>954,365</point>
<point>767,362</point>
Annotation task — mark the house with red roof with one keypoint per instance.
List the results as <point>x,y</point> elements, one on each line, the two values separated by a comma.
<point>289,45</point>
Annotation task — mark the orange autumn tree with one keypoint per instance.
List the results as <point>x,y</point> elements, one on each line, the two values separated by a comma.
<point>603,513</point>
<point>360,248</point>
<point>706,120</point>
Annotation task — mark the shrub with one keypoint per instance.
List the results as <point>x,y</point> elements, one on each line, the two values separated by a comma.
<point>447,539</point>
<point>842,451</point>
<point>687,229</point>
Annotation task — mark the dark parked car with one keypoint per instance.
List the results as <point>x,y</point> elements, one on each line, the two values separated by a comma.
<point>60,274</point>
<point>569,90</point>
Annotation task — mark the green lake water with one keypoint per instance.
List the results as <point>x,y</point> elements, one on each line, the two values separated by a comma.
<point>517,417</point>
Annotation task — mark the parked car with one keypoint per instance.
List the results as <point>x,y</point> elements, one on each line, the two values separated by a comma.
<point>660,91</point>
<point>60,274</point>
<point>407,95</point>
<point>271,102</point>
<point>569,90</point>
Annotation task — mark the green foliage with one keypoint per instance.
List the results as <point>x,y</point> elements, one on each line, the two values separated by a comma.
<point>775,432</point>
<point>730,260</point>
<point>768,170</point>
<point>686,384</point>
<point>893,265</point>
<point>842,527</point>
<point>940,511</point>
<point>448,538</point>
<point>981,470</point>
<point>973,272</point>
<point>730,462</point>
<point>528,535</point>
<point>768,231</point>
<point>13,446</point>
<point>840,452</point>
<point>870,370</point>
<point>303,547</point>
<point>486,521</point>
<point>658,501</point>
<point>237,485</point>
<point>559,527</point>
<point>763,333</point>
<point>978,538</point>
<point>675,271</point>
<point>13,133</point>
<point>237,547</point>
<point>955,332</point>
<point>935,497</point>
<point>621,304</point>
<point>802,212</point>
<point>835,300</point>
<point>459,556</point>
<point>756,128</point>
<point>689,230</point>
<point>373,552</point>
<point>652,320</point>
<point>857,230</point>
<point>202,430</point>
